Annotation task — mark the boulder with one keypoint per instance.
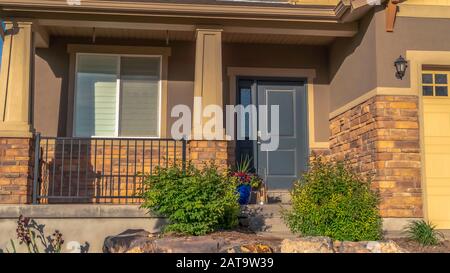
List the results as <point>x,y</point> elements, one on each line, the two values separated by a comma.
<point>307,245</point>
<point>200,244</point>
<point>253,248</point>
<point>141,241</point>
<point>369,247</point>
<point>129,241</point>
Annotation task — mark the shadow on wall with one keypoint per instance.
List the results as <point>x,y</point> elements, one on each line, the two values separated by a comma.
<point>31,238</point>
<point>67,172</point>
<point>343,48</point>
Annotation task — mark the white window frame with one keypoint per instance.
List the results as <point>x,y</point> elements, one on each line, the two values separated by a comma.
<point>118,85</point>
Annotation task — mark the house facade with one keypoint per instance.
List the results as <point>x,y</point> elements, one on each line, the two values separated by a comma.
<point>98,80</point>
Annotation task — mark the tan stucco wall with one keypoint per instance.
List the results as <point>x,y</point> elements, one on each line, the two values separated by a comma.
<point>50,90</point>
<point>410,34</point>
<point>362,63</point>
<point>353,65</point>
<point>52,73</point>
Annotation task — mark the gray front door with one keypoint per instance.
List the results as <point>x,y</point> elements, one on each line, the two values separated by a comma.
<point>282,167</point>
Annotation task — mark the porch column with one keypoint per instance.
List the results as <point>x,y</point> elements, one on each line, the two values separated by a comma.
<point>16,140</point>
<point>15,80</point>
<point>208,88</point>
<point>208,75</point>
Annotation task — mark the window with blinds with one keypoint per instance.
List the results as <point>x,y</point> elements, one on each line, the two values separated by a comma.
<point>117,96</point>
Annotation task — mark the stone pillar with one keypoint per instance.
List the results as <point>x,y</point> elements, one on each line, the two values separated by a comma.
<point>16,170</point>
<point>16,138</point>
<point>208,75</point>
<point>219,152</point>
<point>381,137</point>
<point>15,80</point>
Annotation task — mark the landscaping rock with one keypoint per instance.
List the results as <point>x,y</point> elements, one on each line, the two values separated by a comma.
<point>141,241</point>
<point>307,245</point>
<point>256,248</point>
<point>200,244</point>
<point>370,247</point>
<point>129,241</point>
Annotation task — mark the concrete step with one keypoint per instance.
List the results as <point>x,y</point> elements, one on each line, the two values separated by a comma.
<point>273,197</point>
<point>264,218</point>
<point>276,197</point>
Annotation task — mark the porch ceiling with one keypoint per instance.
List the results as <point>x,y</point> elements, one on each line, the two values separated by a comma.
<point>173,35</point>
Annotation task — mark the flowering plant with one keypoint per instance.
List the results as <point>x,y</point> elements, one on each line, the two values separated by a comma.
<point>243,175</point>
<point>247,178</point>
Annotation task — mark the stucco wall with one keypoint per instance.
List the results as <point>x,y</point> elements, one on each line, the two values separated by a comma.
<point>409,34</point>
<point>366,61</point>
<point>353,64</point>
<point>52,77</point>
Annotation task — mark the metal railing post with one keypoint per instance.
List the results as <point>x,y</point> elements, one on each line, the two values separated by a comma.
<point>37,156</point>
<point>183,153</point>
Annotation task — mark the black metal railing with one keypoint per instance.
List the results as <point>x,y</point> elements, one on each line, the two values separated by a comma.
<point>99,170</point>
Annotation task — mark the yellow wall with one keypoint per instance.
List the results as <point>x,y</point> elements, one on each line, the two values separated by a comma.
<point>428,2</point>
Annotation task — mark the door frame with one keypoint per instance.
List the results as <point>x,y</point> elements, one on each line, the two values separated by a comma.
<point>270,72</point>
<point>283,80</point>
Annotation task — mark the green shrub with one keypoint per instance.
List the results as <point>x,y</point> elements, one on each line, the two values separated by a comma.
<point>332,200</point>
<point>423,232</point>
<point>195,201</point>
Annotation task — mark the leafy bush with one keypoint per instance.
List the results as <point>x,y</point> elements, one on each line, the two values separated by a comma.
<point>332,200</point>
<point>423,232</point>
<point>195,201</point>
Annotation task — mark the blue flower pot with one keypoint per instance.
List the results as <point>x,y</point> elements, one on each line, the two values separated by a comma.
<point>244,193</point>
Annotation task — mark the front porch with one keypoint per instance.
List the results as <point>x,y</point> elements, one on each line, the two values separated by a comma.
<point>53,65</point>
<point>70,153</point>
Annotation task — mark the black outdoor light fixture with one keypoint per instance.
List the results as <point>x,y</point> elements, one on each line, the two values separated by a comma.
<point>400,65</point>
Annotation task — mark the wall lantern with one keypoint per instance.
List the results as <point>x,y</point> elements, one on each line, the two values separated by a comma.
<point>400,65</point>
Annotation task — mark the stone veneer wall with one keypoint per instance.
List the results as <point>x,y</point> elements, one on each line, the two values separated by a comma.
<point>16,169</point>
<point>381,137</point>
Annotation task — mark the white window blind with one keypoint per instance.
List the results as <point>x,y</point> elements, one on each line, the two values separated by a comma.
<point>117,96</point>
<point>139,96</point>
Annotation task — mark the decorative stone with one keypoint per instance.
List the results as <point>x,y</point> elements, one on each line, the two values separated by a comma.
<point>129,241</point>
<point>256,248</point>
<point>370,247</point>
<point>201,244</point>
<point>307,245</point>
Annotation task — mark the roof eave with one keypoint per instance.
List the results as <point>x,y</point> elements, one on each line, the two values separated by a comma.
<point>328,13</point>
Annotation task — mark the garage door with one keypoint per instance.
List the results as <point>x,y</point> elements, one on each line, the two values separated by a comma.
<point>436,107</point>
